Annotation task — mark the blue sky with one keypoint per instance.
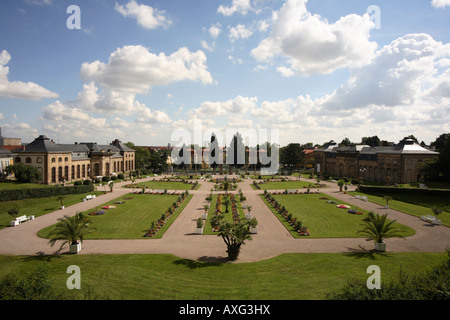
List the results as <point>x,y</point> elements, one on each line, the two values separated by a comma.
<point>139,70</point>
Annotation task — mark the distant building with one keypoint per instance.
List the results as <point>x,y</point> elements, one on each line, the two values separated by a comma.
<point>397,163</point>
<point>79,161</point>
<point>9,143</point>
<point>6,159</point>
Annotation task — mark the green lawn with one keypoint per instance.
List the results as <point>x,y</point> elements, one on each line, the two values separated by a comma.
<point>131,219</point>
<point>38,206</point>
<point>414,205</point>
<point>324,220</point>
<point>163,185</point>
<point>166,277</point>
<point>282,185</point>
<point>227,216</point>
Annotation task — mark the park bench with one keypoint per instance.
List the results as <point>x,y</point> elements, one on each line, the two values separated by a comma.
<point>363,198</point>
<point>430,218</point>
<point>91,196</point>
<point>19,220</point>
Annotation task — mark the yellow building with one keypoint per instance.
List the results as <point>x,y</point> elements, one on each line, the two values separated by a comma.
<point>71,162</point>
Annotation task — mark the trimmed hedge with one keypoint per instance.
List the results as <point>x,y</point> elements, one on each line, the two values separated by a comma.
<point>20,194</point>
<point>411,191</point>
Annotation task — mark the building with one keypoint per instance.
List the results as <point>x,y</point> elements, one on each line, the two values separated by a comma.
<point>9,143</point>
<point>70,162</point>
<point>6,159</point>
<point>393,163</point>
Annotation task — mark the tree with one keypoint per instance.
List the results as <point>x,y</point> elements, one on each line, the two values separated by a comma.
<point>387,198</point>
<point>24,172</point>
<point>292,155</point>
<point>13,212</point>
<point>71,229</point>
<point>440,141</point>
<point>234,235</point>
<point>438,209</point>
<point>371,141</point>
<point>226,202</point>
<point>377,228</point>
<point>346,142</point>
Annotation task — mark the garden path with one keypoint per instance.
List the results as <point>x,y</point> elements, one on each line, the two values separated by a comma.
<point>272,238</point>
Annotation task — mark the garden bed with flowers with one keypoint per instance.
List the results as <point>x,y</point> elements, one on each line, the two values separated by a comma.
<point>294,186</point>
<point>151,186</point>
<point>323,219</point>
<point>218,207</point>
<point>133,217</point>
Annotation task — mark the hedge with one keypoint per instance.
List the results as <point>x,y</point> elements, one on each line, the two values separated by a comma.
<point>20,194</point>
<point>411,191</point>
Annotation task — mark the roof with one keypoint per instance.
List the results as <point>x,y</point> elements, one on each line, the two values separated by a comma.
<point>43,144</point>
<point>4,151</point>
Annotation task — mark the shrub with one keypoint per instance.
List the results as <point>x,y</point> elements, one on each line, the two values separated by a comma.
<point>106,178</point>
<point>78,183</point>
<point>87,182</point>
<point>20,194</point>
<point>120,176</point>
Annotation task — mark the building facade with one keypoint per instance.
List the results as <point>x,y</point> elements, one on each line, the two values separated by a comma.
<point>396,163</point>
<point>71,162</point>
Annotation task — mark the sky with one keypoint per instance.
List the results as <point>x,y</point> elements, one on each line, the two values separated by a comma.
<point>289,71</point>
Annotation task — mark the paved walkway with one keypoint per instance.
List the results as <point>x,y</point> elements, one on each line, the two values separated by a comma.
<point>272,238</point>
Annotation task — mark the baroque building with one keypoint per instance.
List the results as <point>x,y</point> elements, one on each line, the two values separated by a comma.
<point>71,162</point>
<point>396,163</point>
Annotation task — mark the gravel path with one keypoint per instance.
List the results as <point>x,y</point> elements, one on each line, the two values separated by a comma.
<point>272,238</point>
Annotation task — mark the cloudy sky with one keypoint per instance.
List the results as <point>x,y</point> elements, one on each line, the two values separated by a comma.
<point>140,70</point>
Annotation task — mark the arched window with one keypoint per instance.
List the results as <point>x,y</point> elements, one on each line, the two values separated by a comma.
<point>17,159</point>
<point>66,159</point>
<point>53,159</point>
<point>59,159</point>
<point>38,160</point>
<point>28,160</point>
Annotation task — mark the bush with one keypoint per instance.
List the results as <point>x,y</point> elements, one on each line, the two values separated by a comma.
<point>120,176</point>
<point>431,285</point>
<point>87,182</point>
<point>113,178</point>
<point>411,191</point>
<point>96,180</point>
<point>20,194</point>
<point>78,183</point>
<point>106,178</point>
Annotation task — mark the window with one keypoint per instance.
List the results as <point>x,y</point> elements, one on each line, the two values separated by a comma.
<point>66,159</point>
<point>38,160</point>
<point>28,160</point>
<point>53,159</point>
<point>17,159</point>
<point>59,159</point>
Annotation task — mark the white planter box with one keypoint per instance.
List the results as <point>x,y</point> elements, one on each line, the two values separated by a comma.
<point>199,231</point>
<point>75,248</point>
<point>62,207</point>
<point>204,216</point>
<point>380,246</point>
<point>248,216</point>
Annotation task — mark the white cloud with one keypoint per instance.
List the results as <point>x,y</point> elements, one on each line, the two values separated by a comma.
<point>239,32</point>
<point>286,72</point>
<point>215,30</point>
<point>312,45</point>
<point>238,105</point>
<point>237,6</point>
<point>146,16</point>
<point>440,3</point>
<point>402,73</point>
<point>19,89</point>
<point>135,69</point>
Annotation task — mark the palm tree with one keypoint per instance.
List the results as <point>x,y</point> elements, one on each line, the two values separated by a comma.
<point>377,228</point>
<point>387,198</point>
<point>438,209</point>
<point>71,230</point>
<point>226,203</point>
<point>234,235</point>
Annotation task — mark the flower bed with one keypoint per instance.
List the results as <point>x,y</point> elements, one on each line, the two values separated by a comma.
<point>290,219</point>
<point>97,213</point>
<point>157,225</point>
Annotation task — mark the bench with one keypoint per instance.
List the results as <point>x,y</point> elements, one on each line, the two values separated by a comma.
<point>91,196</point>
<point>363,198</point>
<point>430,218</point>
<point>19,220</point>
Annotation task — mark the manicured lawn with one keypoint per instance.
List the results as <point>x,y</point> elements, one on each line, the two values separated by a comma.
<point>414,205</point>
<point>164,185</point>
<point>228,217</point>
<point>37,206</point>
<point>282,185</point>
<point>324,220</point>
<point>166,277</point>
<point>131,219</point>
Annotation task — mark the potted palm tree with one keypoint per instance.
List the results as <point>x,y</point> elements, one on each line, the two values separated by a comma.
<point>248,215</point>
<point>205,215</point>
<point>71,230</point>
<point>387,198</point>
<point>199,229</point>
<point>378,228</point>
<point>61,201</point>
<point>234,235</point>
<point>253,224</point>
<point>341,185</point>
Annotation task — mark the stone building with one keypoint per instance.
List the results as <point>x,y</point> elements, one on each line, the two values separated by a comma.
<point>396,163</point>
<point>6,159</point>
<point>79,161</point>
